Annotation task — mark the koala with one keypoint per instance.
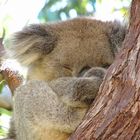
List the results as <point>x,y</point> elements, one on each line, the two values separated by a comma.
<point>66,64</point>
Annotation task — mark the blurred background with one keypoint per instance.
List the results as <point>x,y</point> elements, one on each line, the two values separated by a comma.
<point>15,14</point>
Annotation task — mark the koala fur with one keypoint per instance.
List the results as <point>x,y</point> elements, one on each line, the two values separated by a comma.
<point>66,64</point>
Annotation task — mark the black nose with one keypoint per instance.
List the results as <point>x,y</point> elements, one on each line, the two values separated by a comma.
<point>88,101</point>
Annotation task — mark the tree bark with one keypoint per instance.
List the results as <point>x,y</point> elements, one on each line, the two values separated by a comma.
<point>115,114</point>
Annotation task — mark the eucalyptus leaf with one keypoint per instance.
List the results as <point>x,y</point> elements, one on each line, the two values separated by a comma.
<point>2,83</point>
<point>4,111</point>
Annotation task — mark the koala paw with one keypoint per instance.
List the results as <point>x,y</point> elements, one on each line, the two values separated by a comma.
<point>95,71</point>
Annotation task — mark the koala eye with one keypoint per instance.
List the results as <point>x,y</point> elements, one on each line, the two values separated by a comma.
<point>83,70</point>
<point>106,66</point>
<point>67,67</point>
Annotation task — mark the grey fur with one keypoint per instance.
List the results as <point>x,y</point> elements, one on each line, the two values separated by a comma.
<point>61,104</point>
<point>33,39</point>
<point>116,35</point>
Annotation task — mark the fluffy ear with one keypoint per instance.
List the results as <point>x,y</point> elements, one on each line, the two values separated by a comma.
<point>116,33</point>
<point>32,43</point>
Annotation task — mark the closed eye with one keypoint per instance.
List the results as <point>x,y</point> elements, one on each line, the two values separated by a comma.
<point>106,66</point>
<point>67,67</point>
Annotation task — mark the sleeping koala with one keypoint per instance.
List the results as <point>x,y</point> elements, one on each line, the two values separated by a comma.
<point>66,64</point>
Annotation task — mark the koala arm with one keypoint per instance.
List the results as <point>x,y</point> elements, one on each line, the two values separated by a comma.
<point>79,92</point>
<point>40,114</point>
<point>52,111</point>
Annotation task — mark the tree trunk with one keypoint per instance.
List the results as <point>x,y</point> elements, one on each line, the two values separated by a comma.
<point>115,114</point>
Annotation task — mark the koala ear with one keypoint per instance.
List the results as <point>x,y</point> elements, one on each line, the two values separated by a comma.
<point>116,33</point>
<point>32,43</point>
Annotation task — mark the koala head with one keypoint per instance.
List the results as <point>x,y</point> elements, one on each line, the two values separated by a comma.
<point>66,48</point>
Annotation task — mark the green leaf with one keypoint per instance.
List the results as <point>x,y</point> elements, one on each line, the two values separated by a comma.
<point>2,83</point>
<point>6,112</point>
<point>100,1</point>
<point>2,132</point>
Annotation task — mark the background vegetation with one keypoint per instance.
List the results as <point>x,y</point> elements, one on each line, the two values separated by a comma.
<point>14,14</point>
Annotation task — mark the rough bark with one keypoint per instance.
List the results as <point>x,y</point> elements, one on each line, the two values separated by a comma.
<point>115,114</point>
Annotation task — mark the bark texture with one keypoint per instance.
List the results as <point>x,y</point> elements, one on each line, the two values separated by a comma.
<point>115,114</point>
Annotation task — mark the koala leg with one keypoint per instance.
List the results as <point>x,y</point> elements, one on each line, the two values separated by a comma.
<point>39,114</point>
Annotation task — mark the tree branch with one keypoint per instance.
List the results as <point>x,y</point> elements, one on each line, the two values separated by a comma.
<point>115,114</point>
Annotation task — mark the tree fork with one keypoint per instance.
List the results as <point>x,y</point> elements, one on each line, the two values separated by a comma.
<point>115,113</point>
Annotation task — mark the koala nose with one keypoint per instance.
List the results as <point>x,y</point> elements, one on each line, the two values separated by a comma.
<point>88,101</point>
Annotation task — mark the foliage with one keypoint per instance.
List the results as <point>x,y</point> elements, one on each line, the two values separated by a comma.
<point>2,83</point>
<point>4,111</point>
<point>59,9</point>
<point>63,9</point>
<point>4,116</point>
<point>13,80</point>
